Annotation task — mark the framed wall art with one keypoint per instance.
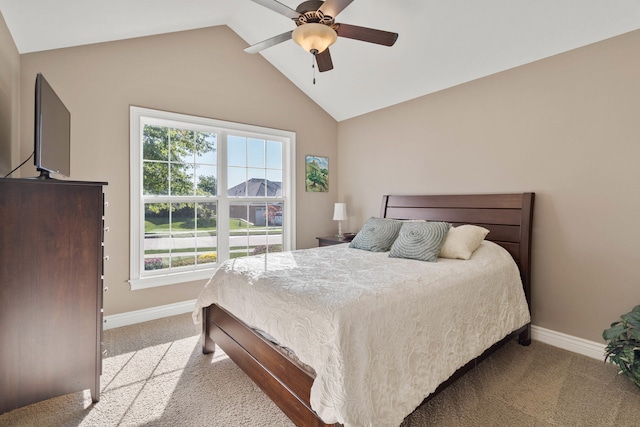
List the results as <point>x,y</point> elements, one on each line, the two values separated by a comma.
<point>316,174</point>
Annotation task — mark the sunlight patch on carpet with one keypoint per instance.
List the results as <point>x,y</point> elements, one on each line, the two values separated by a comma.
<point>137,386</point>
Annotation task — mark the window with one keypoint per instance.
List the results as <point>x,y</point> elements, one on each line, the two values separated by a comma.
<point>204,191</point>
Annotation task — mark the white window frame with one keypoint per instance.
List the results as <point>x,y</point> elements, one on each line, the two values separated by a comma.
<point>139,279</point>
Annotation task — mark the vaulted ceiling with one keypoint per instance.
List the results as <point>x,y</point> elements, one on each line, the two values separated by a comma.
<point>441,43</point>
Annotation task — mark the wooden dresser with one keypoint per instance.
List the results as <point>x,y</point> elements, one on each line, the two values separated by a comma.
<point>51,268</point>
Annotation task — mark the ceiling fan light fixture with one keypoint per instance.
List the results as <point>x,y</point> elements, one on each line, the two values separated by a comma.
<point>314,37</point>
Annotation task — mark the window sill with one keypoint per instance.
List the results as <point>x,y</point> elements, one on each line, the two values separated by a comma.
<point>170,279</point>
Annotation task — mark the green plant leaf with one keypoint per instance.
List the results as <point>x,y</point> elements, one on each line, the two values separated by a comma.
<point>614,331</point>
<point>629,353</point>
<point>623,347</point>
<point>632,319</point>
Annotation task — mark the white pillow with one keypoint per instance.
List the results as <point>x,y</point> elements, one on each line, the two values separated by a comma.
<point>461,241</point>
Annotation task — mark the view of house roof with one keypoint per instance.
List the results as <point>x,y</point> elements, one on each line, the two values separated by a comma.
<point>256,187</point>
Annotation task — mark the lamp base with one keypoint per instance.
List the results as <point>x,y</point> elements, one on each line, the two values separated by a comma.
<point>339,235</point>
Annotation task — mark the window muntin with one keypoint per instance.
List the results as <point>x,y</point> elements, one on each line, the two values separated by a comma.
<point>178,235</point>
<point>254,228</point>
<point>254,167</point>
<point>183,222</point>
<point>178,162</point>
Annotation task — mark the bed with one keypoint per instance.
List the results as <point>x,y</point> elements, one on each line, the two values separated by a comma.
<point>288,378</point>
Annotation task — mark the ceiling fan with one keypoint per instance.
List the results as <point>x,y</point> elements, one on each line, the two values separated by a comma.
<point>316,29</point>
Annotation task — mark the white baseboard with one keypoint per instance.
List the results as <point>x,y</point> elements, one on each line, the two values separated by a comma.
<point>567,342</point>
<point>557,339</point>
<point>139,316</point>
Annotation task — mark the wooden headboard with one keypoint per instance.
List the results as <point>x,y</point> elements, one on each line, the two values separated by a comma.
<point>508,217</point>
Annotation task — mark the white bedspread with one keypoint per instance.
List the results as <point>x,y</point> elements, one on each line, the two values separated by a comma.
<point>381,333</point>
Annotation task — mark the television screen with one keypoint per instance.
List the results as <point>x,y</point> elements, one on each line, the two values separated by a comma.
<point>52,131</point>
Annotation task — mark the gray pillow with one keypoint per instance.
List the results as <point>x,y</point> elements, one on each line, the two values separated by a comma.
<point>376,235</point>
<point>420,240</point>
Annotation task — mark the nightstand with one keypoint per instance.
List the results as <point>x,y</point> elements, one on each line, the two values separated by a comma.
<point>332,240</point>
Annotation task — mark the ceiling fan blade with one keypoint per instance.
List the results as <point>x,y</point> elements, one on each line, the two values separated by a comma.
<point>334,7</point>
<point>276,6</point>
<point>364,34</point>
<point>323,59</point>
<point>255,48</point>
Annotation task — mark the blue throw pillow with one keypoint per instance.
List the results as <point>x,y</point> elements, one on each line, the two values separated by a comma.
<point>420,240</point>
<point>376,235</point>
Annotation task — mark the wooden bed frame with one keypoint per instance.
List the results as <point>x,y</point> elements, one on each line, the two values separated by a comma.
<point>507,216</point>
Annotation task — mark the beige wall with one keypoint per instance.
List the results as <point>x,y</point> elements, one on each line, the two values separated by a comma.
<point>9,101</point>
<point>567,128</point>
<point>202,72</point>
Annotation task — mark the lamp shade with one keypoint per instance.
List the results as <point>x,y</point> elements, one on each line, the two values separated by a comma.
<point>340,212</point>
<point>314,37</point>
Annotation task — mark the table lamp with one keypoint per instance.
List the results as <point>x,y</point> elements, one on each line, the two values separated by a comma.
<point>340,214</point>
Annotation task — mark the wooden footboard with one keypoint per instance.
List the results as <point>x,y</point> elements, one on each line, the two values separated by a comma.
<point>507,216</point>
<point>280,378</point>
<point>286,384</point>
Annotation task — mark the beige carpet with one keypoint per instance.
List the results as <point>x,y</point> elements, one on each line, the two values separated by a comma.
<point>156,375</point>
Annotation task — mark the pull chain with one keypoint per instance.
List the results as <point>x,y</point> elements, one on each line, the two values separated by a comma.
<point>313,66</point>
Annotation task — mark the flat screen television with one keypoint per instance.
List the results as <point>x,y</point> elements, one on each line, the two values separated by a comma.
<point>52,132</point>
